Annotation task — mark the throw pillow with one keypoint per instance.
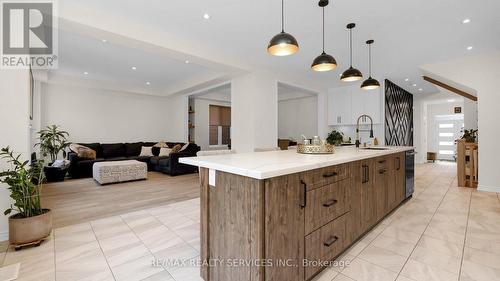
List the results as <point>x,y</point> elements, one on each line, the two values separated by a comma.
<point>176,148</point>
<point>82,151</point>
<point>184,147</point>
<point>161,144</point>
<point>164,151</point>
<point>146,151</point>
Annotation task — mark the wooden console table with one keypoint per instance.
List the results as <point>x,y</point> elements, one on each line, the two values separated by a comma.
<point>467,163</point>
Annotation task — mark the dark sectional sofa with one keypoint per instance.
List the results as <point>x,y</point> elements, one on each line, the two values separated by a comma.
<point>82,168</point>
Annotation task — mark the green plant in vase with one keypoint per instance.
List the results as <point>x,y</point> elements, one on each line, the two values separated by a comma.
<point>335,138</point>
<point>52,142</point>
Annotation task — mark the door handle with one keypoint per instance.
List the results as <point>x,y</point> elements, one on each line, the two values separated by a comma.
<point>329,175</point>
<point>366,174</point>
<point>382,171</point>
<point>329,203</point>
<point>399,163</point>
<point>381,161</point>
<point>330,241</point>
<point>303,202</point>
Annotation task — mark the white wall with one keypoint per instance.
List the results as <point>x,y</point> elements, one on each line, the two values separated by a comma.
<point>14,117</point>
<point>481,74</point>
<point>201,120</point>
<point>91,115</point>
<point>470,114</point>
<point>254,112</point>
<point>297,117</point>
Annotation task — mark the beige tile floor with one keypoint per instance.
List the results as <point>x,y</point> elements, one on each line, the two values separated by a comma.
<point>443,233</point>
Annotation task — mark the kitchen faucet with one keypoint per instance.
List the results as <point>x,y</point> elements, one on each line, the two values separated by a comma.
<point>364,116</point>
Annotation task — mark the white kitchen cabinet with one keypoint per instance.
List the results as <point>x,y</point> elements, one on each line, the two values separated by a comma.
<point>339,107</point>
<point>346,104</point>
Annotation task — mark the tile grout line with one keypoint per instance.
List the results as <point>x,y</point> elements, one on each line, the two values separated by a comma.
<point>465,238</point>
<point>102,251</point>
<point>55,253</point>
<point>421,235</point>
<point>149,250</point>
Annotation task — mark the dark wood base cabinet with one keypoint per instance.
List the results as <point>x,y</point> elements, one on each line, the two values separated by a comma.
<point>285,228</point>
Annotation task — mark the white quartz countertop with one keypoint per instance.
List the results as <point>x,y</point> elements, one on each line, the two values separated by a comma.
<point>263,165</point>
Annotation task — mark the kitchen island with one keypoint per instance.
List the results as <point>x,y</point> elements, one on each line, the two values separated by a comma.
<point>281,215</point>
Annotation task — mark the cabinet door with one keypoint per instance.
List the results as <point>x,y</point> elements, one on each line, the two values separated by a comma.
<point>368,206</point>
<point>392,200</point>
<point>381,187</point>
<point>339,107</point>
<point>284,227</point>
<point>400,177</point>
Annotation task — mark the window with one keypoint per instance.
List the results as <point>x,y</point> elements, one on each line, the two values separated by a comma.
<point>446,126</point>
<point>219,125</point>
<point>446,134</point>
<point>446,143</point>
<point>447,152</point>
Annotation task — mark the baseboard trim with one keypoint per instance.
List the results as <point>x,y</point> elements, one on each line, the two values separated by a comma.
<point>4,236</point>
<point>488,188</point>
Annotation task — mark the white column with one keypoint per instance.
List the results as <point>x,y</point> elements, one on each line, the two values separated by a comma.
<point>470,114</point>
<point>254,112</point>
<point>14,117</point>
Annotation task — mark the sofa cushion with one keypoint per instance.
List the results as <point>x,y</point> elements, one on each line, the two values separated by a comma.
<point>149,143</point>
<point>110,150</point>
<point>133,149</point>
<point>146,151</point>
<point>155,160</point>
<point>94,146</point>
<point>155,150</point>
<point>172,144</point>
<point>83,151</point>
<point>191,148</point>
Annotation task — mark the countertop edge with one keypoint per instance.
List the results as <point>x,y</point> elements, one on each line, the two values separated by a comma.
<point>287,170</point>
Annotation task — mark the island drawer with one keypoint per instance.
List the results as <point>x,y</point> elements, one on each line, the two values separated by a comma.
<point>324,244</point>
<point>325,204</point>
<point>320,177</point>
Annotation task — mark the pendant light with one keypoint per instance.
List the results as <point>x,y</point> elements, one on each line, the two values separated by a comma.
<point>351,74</point>
<point>324,62</point>
<point>282,44</point>
<point>370,83</point>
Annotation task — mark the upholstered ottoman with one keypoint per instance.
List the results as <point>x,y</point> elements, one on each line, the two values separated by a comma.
<point>119,171</point>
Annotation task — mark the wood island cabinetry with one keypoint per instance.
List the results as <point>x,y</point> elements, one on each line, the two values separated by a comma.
<point>285,220</point>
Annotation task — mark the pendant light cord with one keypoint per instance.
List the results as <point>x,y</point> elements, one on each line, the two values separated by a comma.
<point>350,46</point>
<point>323,30</point>
<point>370,58</point>
<point>282,16</point>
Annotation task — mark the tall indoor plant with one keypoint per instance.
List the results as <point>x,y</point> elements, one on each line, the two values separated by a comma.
<point>30,223</point>
<point>52,142</point>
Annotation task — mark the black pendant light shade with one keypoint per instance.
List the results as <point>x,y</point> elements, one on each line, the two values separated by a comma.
<point>324,62</point>
<point>370,83</point>
<point>283,44</point>
<point>351,74</point>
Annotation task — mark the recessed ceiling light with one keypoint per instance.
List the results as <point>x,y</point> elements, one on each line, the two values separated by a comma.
<point>420,89</point>
<point>451,100</point>
<point>134,68</point>
<point>469,48</point>
<point>466,21</point>
<point>206,16</point>
<point>186,61</point>
<point>407,79</point>
<point>148,83</point>
<point>104,40</point>
<point>414,85</point>
<point>86,73</point>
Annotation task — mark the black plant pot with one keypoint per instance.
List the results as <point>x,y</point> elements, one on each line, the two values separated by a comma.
<point>54,174</point>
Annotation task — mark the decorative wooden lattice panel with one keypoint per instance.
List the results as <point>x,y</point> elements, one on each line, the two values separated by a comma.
<point>398,115</point>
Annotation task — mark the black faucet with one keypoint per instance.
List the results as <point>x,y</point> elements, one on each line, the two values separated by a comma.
<point>364,116</point>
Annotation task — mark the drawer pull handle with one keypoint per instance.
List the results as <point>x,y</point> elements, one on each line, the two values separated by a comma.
<point>329,175</point>
<point>329,203</point>
<point>330,241</point>
<point>382,171</point>
<point>304,196</point>
<point>381,161</point>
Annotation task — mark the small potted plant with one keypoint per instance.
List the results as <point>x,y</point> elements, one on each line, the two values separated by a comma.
<point>30,224</point>
<point>335,138</point>
<point>470,135</point>
<point>53,142</point>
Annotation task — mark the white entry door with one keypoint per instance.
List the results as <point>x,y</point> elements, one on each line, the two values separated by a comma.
<point>449,129</point>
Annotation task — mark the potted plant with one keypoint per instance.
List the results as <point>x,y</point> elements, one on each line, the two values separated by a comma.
<point>53,141</point>
<point>470,135</point>
<point>335,138</point>
<point>31,223</point>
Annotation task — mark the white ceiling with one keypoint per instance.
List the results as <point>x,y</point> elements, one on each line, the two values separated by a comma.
<point>407,34</point>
